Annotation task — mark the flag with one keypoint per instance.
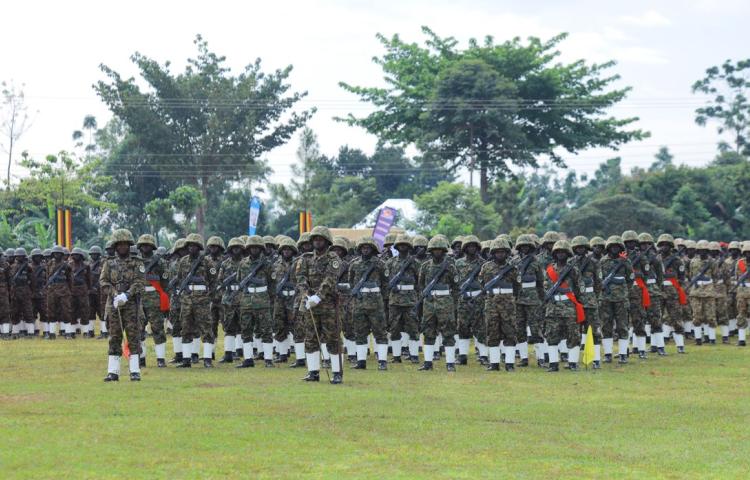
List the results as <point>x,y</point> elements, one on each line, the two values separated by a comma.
<point>383,224</point>
<point>254,213</point>
<point>588,348</point>
<point>125,348</point>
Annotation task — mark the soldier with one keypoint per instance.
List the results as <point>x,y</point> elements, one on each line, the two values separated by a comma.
<point>674,296</point>
<point>229,285</point>
<point>591,276</point>
<point>255,302</point>
<point>269,244</point>
<point>121,282</point>
<point>731,260</point>
<point>654,277</point>
<point>721,288</point>
<point>544,257</point>
<point>564,313</point>
<point>529,314</point>
<point>178,251</point>
<point>59,284</point>
<point>298,332</point>
<point>388,242</point>
<point>22,286</point>
<point>403,272</point>
<point>486,249</point>
<point>500,283</point>
<point>456,245</point>
<point>79,293</point>
<point>283,304</point>
<point>368,280</point>
<point>96,308</point>
<point>704,271</point>
<point>344,297</point>
<point>613,305</point>
<point>439,305</point>
<point>154,300</point>
<point>197,276</point>
<point>216,249</point>
<point>742,279</point>
<point>469,312</point>
<point>597,245</point>
<point>317,273</point>
<point>639,296</point>
<point>5,283</point>
<point>38,297</point>
<point>687,254</point>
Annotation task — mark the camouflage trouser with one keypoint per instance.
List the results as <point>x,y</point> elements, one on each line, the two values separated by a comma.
<point>704,311</point>
<point>195,317</point>
<point>4,305</point>
<point>594,321</point>
<point>152,314</point>
<point>722,313</point>
<point>283,317</point>
<point>653,314</point>
<point>256,322</point>
<point>95,307</point>
<point>470,320</point>
<point>563,327</point>
<point>39,308</point>
<point>368,315</point>
<point>531,316</point>
<point>743,308</point>
<point>299,327</point>
<point>230,323</point>
<point>637,314</point>
<point>174,316</point>
<point>22,306</point>
<point>321,322</point>
<point>217,314</point>
<point>438,316</point>
<point>614,317</point>
<point>500,318</point>
<point>347,327</point>
<point>128,315</point>
<point>79,302</point>
<point>58,303</point>
<point>675,311</point>
<point>732,305</point>
<point>403,319</point>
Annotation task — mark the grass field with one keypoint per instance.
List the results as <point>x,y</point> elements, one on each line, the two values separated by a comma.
<point>676,417</point>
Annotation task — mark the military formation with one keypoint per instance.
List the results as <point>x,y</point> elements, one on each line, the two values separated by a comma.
<point>322,302</point>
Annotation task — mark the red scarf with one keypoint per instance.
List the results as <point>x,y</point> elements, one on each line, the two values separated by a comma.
<point>163,297</point>
<point>580,312</point>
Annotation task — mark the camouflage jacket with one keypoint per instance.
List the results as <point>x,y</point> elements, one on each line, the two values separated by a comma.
<point>24,278</point>
<point>591,279</point>
<point>230,294</point>
<point>376,279</point>
<point>465,266</point>
<point>258,294</point>
<point>158,273</point>
<point>654,276</point>
<point>622,282</point>
<point>406,293</point>
<point>64,276</point>
<point>724,278</point>
<point>39,272</point>
<point>743,289</point>
<point>122,275</point>
<point>560,306</point>
<point>507,288</point>
<point>203,276</point>
<point>531,278</point>
<point>703,285</point>
<point>4,277</point>
<point>317,274</point>
<point>641,269</point>
<point>96,270</point>
<point>447,281</point>
<point>81,278</point>
<point>280,269</point>
<point>672,267</point>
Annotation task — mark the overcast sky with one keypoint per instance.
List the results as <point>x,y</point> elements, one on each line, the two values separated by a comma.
<point>661,48</point>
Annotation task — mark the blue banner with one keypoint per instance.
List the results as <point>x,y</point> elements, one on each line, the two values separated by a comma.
<point>252,221</point>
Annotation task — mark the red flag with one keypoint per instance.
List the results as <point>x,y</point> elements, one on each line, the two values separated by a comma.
<point>580,312</point>
<point>125,348</point>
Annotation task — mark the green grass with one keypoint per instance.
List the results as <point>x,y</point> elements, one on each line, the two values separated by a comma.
<point>676,417</point>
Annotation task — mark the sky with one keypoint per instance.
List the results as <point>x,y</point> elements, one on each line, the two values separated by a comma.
<point>661,47</point>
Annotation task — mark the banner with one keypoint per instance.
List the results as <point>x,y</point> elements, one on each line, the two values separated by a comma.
<point>252,221</point>
<point>383,224</point>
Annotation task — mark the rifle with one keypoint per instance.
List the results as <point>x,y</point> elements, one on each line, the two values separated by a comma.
<point>560,279</point>
<point>469,280</point>
<point>640,255</point>
<point>153,263</point>
<point>696,277</point>
<point>428,289</point>
<point>18,272</point>
<point>611,275</point>
<point>357,289</point>
<point>284,279</point>
<point>740,280</point>
<point>78,272</point>
<point>393,282</point>
<point>225,283</point>
<point>53,277</point>
<point>493,281</point>
<point>250,278</point>
<point>184,283</point>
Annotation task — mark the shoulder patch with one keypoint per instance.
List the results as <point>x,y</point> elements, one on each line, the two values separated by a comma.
<point>273,276</point>
<point>682,268</point>
<point>164,275</point>
<point>335,264</point>
<point>455,279</point>
<point>213,271</point>
<point>141,268</point>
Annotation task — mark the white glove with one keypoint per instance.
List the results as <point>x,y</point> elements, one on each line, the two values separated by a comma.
<point>120,299</point>
<point>312,301</point>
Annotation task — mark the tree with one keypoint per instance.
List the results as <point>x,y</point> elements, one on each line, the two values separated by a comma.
<point>90,126</point>
<point>729,85</point>
<point>204,127</point>
<point>15,121</point>
<point>663,160</point>
<point>491,106</point>
<point>177,211</point>
<point>456,209</point>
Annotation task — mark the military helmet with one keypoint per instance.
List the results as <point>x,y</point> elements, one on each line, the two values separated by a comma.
<point>745,246</point>
<point>95,249</point>
<point>438,242</point>
<point>629,236</point>
<point>499,244</point>
<point>244,238</point>
<point>614,240</point>
<point>78,251</point>
<point>367,241</point>
<point>47,252</point>
<point>122,235</point>
<point>580,241</point>
<point>269,240</point>
<point>340,242</point>
<point>278,238</point>
<point>255,241</point>
<point>217,241</point>
<point>458,239</point>
<point>9,252</point>
<point>161,250</point>
<point>665,238</point>
<point>57,249</point>
<point>109,245</point>
<point>525,239</point>
<point>734,245</point>
<point>287,242</point>
<point>66,251</point>
<point>690,244</point>
<point>597,241</point>
<point>550,237</point>
<point>390,239</point>
<point>714,246</point>
<point>679,242</point>
<point>645,238</point>
<point>535,238</point>
<point>486,244</point>
<point>321,231</point>
<point>20,252</point>
<point>419,241</point>
<point>36,251</point>
<point>194,238</point>
<point>702,245</point>
<point>178,245</point>
<point>468,240</point>
<point>504,236</point>
<point>236,242</point>
<point>403,239</point>
<point>562,245</point>
<point>303,238</point>
<point>146,239</point>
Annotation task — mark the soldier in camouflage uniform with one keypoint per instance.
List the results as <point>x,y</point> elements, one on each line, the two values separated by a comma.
<point>269,251</point>
<point>544,257</point>
<point>721,289</point>
<point>388,242</point>
<point>500,283</point>
<point>367,276</point>
<point>59,283</point>
<point>121,282</point>
<point>5,282</point>
<point>255,302</point>
<point>529,313</point>
<point>79,293</point>
<point>597,245</point>
<point>731,260</point>
<point>229,285</point>
<point>613,304</point>
<point>654,279</point>
<point>674,296</point>
<point>439,305</point>
<point>298,331</point>
<point>178,251</point>
<point>22,286</point>
<point>469,310</point>
<point>639,297</point>
<point>38,297</point>
<point>317,274</point>
<point>283,306</point>
<point>195,300</point>
<point>402,298</point>
<point>343,297</point>
<point>216,249</point>
<point>96,310</point>
<point>154,299</point>
<point>704,273</point>
<point>591,289</point>
<point>742,280</point>
<point>456,247</point>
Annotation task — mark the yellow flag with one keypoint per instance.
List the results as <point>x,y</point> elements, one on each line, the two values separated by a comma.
<point>588,347</point>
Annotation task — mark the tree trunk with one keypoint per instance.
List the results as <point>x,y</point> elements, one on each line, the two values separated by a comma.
<point>10,159</point>
<point>483,182</point>
<point>200,214</point>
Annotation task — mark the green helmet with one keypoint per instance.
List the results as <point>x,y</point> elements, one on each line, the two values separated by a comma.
<point>403,239</point>
<point>179,245</point>
<point>287,242</point>
<point>629,236</point>
<point>499,244</point>
<point>645,238</point>
<point>367,241</point>
<point>486,244</point>
<point>321,231</point>
<point>745,246</point>
<point>146,239</point>
<point>36,252</point>
<point>535,238</point>
<point>255,241</point>
<point>690,244</point>
<point>679,242</point>
<point>78,251</point>
<point>419,241</point>
<point>340,242</point>
<point>217,241</point>
<point>714,246</point>
<point>95,249</point>
<point>733,245</point>
<point>438,242</point>
<point>278,238</point>
<point>504,236</point>
<point>109,245</point>
<point>525,239</point>
<point>665,238</point>
<point>614,240</point>
<point>47,252</point>
<point>236,242</point>
<point>269,240</point>
<point>550,237</point>
<point>702,245</point>
<point>562,245</point>
<point>580,241</point>
<point>9,252</point>
<point>57,249</point>
<point>390,239</point>
<point>597,241</point>
<point>468,240</point>
<point>459,239</point>
<point>304,238</point>
<point>122,235</point>
<point>20,252</point>
<point>194,238</point>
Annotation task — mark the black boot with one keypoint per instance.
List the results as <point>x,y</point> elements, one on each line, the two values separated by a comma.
<point>712,341</point>
<point>451,367</point>
<point>396,360</point>
<point>493,367</point>
<point>142,362</point>
<point>112,377</point>
<point>680,349</point>
<point>540,363</point>
<point>51,336</point>
<point>623,359</point>
<point>661,352</point>
<point>337,378</point>
<point>642,355</point>
<point>246,363</point>
<point>742,343</point>
<point>352,359</point>
<point>312,376</point>
<point>268,363</point>
<point>208,363</point>
<point>435,356</point>
<point>361,365</point>
<point>160,363</point>
<point>607,358</point>
<point>509,367</point>
<point>553,367</point>
<point>238,353</point>
<point>597,365</point>
<point>725,340</point>
<point>654,349</point>
<point>135,377</point>
<point>483,360</point>
<point>414,359</point>
<point>425,366</point>
<point>177,358</point>
<point>186,363</point>
<point>524,362</point>
<point>299,363</point>
<point>228,357</point>
<point>698,341</point>
<point>563,357</point>
<point>382,365</point>
<point>283,358</point>
<point>194,358</point>
<point>573,366</point>
<point>463,360</point>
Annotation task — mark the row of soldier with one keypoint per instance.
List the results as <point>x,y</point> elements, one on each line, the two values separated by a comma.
<point>274,296</point>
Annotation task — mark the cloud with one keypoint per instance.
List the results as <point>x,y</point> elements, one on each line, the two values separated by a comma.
<point>650,18</point>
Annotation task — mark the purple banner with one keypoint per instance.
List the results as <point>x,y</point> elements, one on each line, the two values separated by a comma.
<point>386,218</point>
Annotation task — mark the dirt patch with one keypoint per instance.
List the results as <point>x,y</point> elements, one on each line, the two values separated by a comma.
<point>27,398</point>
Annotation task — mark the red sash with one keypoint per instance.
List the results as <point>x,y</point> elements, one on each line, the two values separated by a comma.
<point>680,292</point>
<point>645,297</point>
<point>742,264</point>
<point>580,312</point>
<point>163,297</point>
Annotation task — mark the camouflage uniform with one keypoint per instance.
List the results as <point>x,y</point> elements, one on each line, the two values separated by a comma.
<point>743,294</point>
<point>344,299</point>
<point>79,292</point>
<point>636,309</point>
<point>5,279</point>
<point>529,312</point>
<point>674,271</point>
<point>39,295</point>
<point>217,308</point>
<point>368,310</point>
<point>22,287</point>
<point>174,302</point>
<point>401,301</point>
<point>591,278</point>
<point>654,278</point>
<point>613,305</point>
<point>283,305</point>
<point>154,279</point>
<point>255,302</point>
<point>298,317</point>
<point>470,310</point>
<point>230,300</point>
<point>702,294</point>
<point>721,290</point>
<point>59,283</point>
<point>96,305</point>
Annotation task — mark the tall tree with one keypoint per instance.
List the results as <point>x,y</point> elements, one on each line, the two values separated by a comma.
<point>204,127</point>
<point>492,105</point>
<point>15,120</point>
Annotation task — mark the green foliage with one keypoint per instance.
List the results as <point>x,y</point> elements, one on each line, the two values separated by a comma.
<point>182,203</point>
<point>456,209</point>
